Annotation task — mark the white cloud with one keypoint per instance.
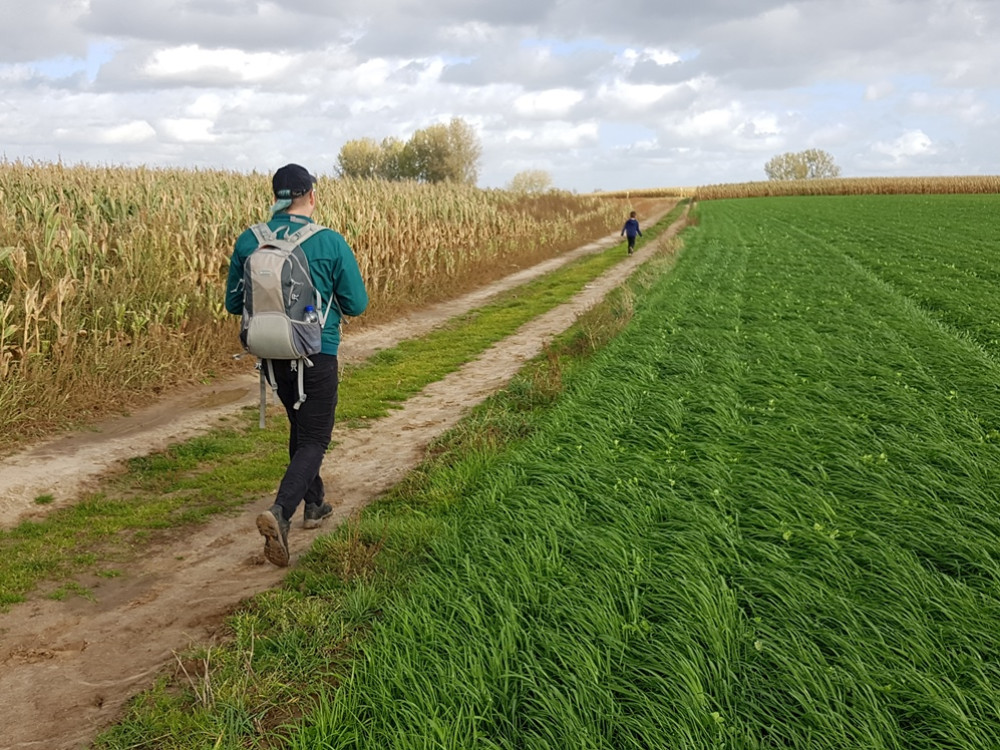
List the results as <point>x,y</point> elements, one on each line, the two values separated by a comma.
<point>188,130</point>
<point>766,124</point>
<point>661,56</point>
<point>131,132</point>
<point>555,103</point>
<point>628,99</point>
<point>136,131</point>
<point>16,75</point>
<point>554,135</point>
<point>629,57</point>
<point>191,60</point>
<point>876,91</point>
<point>712,122</point>
<point>206,105</point>
<point>472,32</point>
<point>834,135</point>
<point>964,106</point>
<point>909,144</point>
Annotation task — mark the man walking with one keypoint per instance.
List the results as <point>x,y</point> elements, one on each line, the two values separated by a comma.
<point>336,276</point>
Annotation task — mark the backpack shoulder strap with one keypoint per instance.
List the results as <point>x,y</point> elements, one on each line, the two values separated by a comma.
<point>263,233</point>
<point>303,233</point>
<point>299,236</point>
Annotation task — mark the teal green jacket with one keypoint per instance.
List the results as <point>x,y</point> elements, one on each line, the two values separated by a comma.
<point>332,265</point>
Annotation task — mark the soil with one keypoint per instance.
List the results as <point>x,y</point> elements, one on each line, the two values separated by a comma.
<point>68,667</point>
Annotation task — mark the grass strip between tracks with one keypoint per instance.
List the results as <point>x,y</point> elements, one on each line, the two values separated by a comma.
<point>236,464</point>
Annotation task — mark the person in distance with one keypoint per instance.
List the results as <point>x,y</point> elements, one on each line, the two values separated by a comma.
<point>631,230</point>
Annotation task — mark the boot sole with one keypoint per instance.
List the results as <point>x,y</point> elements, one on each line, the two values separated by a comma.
<point>275,549</point>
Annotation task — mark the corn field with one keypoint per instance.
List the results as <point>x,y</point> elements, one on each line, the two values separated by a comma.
<point>660,192</point>
<point>854,186</point>
<point>977,184</point>
<point>112,279</point>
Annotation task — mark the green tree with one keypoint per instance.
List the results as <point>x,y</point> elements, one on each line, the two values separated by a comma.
<point>444,153</point>
<point>359,158</point>
<point>439,153</point>
<point>425,153</point>
<point>464,152</point>
<point>811,164</point>
<point>530,181</point>
<point>394,163</point>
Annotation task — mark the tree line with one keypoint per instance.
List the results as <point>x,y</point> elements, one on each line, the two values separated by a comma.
<point>439,153</point>
<point>451,153</point>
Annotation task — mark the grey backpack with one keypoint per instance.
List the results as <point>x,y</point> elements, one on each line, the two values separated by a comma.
<point>277,288</point>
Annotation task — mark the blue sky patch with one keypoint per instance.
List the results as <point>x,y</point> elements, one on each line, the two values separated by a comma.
<point>65,67</point>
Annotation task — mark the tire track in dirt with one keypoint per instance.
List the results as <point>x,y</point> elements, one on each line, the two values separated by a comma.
<point>67,668</point>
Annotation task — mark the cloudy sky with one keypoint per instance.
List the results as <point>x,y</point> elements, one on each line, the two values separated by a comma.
<point>602,94</point>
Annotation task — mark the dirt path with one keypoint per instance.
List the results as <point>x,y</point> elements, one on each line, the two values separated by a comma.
<point>66,668</point>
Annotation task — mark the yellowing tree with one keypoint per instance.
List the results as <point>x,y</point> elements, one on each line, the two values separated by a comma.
<point>445,153</point>
<point>359,158</point>
<point>393,164</point>
<point>811,164</point>
<point>439,153</point>
<point>530,181</point>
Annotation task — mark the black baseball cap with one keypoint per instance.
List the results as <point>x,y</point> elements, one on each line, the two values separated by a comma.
<point>292,181</point>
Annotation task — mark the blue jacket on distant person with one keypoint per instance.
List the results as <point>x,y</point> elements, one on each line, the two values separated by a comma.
<point>631,228</point>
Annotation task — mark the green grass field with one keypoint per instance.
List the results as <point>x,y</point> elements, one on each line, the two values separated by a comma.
<point>765,515</point>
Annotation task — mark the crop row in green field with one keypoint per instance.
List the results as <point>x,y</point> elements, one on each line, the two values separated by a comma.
<point>939,251</point>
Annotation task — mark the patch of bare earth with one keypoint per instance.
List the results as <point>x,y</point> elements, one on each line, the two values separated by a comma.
<point>67,667</point>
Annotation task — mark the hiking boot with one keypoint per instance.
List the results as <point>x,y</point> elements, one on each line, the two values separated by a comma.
<point>274,528</point>
<point>314,515</point>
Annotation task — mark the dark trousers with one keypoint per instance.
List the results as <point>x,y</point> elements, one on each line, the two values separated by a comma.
<point>631,241</point>
<point>310,428</point>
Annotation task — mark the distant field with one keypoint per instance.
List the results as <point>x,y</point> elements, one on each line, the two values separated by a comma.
<point>766,516</point>
<point>973,184</point>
